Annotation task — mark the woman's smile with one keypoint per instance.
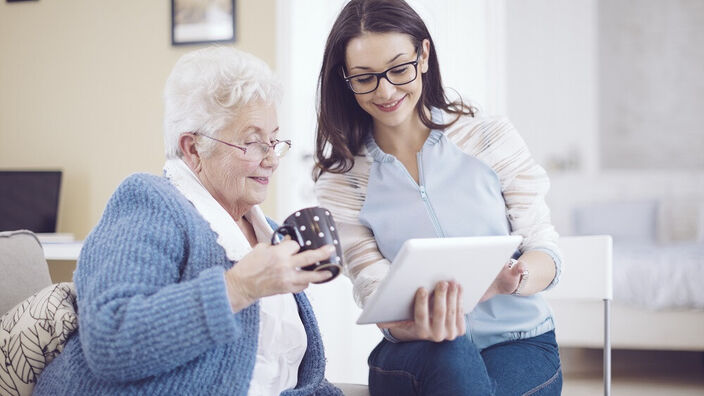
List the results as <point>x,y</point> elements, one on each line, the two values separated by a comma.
<point>391,106</point>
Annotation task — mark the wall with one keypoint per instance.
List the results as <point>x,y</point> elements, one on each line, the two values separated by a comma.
<point>80,90</point>
<point>652,83</point>
<point>557,77</point>
<point>552,80</point>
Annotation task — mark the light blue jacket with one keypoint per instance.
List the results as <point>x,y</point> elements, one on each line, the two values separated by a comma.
<point>476,178</point>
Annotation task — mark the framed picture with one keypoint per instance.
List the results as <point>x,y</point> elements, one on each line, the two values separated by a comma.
<point>202,21</point>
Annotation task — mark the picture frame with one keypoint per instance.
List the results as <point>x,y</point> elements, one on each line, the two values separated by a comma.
<point>202,21</point>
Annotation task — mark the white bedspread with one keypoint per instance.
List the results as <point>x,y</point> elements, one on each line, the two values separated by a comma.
<point>659,276</point>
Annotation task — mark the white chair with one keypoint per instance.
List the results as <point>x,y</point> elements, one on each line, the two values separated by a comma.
<point>587,275</point>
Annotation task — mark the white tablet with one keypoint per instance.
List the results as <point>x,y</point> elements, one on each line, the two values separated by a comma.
<point>473,262</point>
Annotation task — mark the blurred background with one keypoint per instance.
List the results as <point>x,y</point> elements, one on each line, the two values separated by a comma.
<point>607,94</point>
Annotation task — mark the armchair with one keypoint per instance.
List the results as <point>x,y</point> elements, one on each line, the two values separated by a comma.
<point>23,266</point>
<point>36,317</point>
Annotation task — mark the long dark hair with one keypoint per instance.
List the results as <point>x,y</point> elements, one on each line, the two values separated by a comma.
<point>342,123</point>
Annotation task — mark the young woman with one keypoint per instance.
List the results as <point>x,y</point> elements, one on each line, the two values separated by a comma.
<point>395,159</point>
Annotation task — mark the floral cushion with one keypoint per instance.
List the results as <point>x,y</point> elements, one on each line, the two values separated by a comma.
<point>32,334</point>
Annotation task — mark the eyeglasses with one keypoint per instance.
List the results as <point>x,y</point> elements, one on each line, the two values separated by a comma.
<point>256,151</point>
<point>398,75</point>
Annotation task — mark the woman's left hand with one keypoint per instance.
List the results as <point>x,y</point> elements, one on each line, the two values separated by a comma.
<point>438,317</point>
<point>506,281</point>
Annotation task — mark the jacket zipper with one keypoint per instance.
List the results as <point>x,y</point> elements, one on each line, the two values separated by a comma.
<point>423,195</point>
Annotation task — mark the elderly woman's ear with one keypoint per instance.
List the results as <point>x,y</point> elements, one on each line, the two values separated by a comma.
<point>191,156</point>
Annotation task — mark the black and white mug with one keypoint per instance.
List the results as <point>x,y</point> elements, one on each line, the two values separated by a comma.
<point>312,228</point>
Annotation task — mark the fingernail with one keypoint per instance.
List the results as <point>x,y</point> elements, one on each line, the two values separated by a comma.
<point>331,248</point>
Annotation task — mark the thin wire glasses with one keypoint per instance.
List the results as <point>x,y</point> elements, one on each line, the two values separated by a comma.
<point>398,75</point>
<point>256,151</point>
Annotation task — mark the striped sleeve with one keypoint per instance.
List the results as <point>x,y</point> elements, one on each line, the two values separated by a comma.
<point>344,195</point>
<point>524,183</point>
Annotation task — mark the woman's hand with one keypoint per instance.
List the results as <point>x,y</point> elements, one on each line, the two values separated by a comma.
<point>437,318</point>
<point>506,281</point>
<point>273,269</point>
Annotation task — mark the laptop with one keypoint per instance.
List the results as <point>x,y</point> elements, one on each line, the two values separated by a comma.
<point>29,200</point>
<point>473,262</point>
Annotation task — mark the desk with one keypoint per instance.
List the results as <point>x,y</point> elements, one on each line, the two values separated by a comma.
<point>62,257</point>
<point>62,250</point>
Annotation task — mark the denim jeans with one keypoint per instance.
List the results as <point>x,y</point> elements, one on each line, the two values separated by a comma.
<point>521,367</point>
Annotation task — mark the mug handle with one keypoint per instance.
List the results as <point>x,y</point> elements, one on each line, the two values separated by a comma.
<point>286,230</point>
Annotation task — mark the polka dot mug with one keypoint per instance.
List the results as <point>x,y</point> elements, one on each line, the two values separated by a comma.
<point>312,228</point>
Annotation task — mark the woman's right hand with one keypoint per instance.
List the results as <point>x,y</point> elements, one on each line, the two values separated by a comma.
<point>273,269</point>
<point>440,318</point>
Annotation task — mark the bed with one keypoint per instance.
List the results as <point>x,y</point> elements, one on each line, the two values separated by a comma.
<point>658,287</point>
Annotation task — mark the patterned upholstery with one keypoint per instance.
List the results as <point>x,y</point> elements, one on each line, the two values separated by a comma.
<point>32,334</point>
<point>40,316</point>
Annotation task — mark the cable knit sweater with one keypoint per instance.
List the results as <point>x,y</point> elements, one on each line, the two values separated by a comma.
<point>154,316</point>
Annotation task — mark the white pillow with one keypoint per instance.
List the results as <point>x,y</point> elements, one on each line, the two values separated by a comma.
<point>624,221</point>
<point>32,334</point>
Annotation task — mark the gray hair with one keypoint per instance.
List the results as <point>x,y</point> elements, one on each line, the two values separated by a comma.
<point>205,89</point>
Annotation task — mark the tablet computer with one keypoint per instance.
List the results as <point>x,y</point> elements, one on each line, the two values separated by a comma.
<point>472,262</point>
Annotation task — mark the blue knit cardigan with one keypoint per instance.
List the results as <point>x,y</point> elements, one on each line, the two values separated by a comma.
<point>154,316</point>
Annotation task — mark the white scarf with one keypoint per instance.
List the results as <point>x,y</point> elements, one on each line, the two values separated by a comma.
<point>230,236</point>
<point>282,337</point>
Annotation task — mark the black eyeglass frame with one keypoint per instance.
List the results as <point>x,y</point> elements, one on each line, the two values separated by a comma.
<point>244,149</point>
<point>381,75</point>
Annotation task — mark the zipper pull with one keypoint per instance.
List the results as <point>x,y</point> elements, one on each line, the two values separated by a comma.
<point>422,193</point>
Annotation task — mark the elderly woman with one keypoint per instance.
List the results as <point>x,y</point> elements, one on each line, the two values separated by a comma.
<point>178,292</point>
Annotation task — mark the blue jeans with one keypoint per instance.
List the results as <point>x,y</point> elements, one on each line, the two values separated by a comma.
<point>521,367</point>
